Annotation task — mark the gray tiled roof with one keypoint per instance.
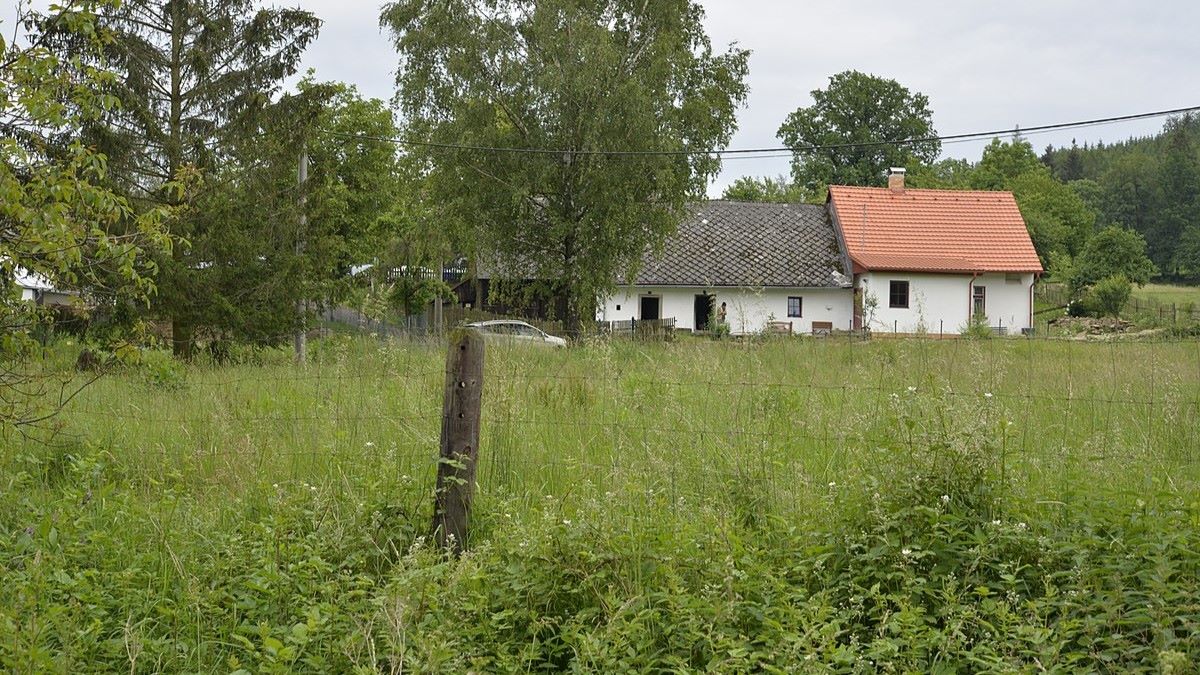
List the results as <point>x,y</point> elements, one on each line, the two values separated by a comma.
<point>724,243</point>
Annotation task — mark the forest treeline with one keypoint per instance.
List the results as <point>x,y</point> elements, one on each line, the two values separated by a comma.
<point>1149,184</point>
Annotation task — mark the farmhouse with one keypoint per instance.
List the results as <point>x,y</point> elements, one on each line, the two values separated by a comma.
<point>778,264</point>
<point>891,260</point>
<point>930,260</point>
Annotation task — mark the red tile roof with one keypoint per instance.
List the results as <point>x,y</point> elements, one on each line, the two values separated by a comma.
<point>933,230</point>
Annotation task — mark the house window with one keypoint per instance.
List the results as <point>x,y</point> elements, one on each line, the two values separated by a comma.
<point>898,295</point>
<point>979,301</point>
<point>794,306</point>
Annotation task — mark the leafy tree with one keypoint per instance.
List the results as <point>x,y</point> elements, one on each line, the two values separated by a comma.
<point>778,190</point>
<point>1058,219</point>
<point>195,76</point>
<point>1188,254</point>
<point>1130,197</point>
<point>580,78</point>
<point>1091,192</point>
<point>1111,252</point>
<point>894,123</point>
<point>947,174</point>
<point>1179,180</point>
<point>57,220</point>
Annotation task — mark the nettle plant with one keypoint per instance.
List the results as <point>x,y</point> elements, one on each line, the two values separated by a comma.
<point>951,448</point>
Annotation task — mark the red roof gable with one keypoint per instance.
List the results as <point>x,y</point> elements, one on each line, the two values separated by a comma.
<point>933,230</point>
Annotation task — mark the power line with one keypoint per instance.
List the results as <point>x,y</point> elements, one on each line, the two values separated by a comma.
<point>777,151</point>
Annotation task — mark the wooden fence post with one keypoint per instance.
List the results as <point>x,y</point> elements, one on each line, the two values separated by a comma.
<point>461,406</point>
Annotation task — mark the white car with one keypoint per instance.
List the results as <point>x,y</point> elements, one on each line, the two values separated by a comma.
<point>516,331</point>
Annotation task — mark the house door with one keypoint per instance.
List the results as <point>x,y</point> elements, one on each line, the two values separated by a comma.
<point>651,308</point>
<point>704,309</point>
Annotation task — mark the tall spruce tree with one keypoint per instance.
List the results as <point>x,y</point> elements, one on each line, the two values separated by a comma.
<point>194,76</point>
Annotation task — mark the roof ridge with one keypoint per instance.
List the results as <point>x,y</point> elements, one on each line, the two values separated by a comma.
<point>910,190</point>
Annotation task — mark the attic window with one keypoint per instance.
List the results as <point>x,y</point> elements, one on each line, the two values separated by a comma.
<point>898,295</point>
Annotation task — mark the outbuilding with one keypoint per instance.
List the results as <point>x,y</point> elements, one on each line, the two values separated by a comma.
<point>772,267</point>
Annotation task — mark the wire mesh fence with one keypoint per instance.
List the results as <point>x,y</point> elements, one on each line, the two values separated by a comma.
<point>689,424</point>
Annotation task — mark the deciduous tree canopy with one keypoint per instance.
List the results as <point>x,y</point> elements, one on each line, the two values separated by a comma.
<point>58,220</point>
<point>877,122</point>
<point>584,78</point>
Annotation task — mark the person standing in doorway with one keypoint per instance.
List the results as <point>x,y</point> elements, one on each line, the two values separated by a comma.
<point>721,314</point>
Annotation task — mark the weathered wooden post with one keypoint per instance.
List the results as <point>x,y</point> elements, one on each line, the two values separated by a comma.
<point>461,406</point>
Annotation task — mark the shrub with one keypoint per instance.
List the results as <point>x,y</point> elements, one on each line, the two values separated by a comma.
<point>977,328</point>
<point>1110,294</point>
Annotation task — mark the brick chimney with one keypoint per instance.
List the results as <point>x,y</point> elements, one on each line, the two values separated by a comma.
<point>896,179</point>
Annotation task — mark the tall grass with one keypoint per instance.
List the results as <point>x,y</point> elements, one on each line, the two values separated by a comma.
<point>220,517</point>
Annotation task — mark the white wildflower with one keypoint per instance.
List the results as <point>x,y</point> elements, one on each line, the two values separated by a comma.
<point>912,390</point>
<point>987,394</point>
<point>370,444</point>
<point>945,499</point>
<point>906,552</point>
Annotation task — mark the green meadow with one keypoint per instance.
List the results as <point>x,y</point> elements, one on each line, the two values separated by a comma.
<point>1002,505</point>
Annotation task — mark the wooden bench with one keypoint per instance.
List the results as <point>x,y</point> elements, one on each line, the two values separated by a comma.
<point>822,328</point>
<point>778,328</point>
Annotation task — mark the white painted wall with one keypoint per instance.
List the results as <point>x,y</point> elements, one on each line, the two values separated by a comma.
<point>1007,301</point>
<point>943,301</point>
<point>747,311</point>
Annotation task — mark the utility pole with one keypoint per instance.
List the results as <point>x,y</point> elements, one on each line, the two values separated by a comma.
<point>301,340</point>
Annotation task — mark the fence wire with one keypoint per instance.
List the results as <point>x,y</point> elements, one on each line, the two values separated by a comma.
<point>689,422</point>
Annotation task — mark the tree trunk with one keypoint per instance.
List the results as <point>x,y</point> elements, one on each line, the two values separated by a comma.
<point>182,337</point>
<point>573,321</point>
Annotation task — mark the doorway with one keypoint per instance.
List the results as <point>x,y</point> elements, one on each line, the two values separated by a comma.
<point>979,301</point>
<point>704,309</point>
<point>651,308</point>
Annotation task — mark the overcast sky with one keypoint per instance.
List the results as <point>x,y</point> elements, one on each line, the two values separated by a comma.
<point>984,65</point>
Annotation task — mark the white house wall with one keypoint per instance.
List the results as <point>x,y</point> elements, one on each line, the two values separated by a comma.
<point>747,311</point>
<point>1007,301</point>
<point>942,302</point>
